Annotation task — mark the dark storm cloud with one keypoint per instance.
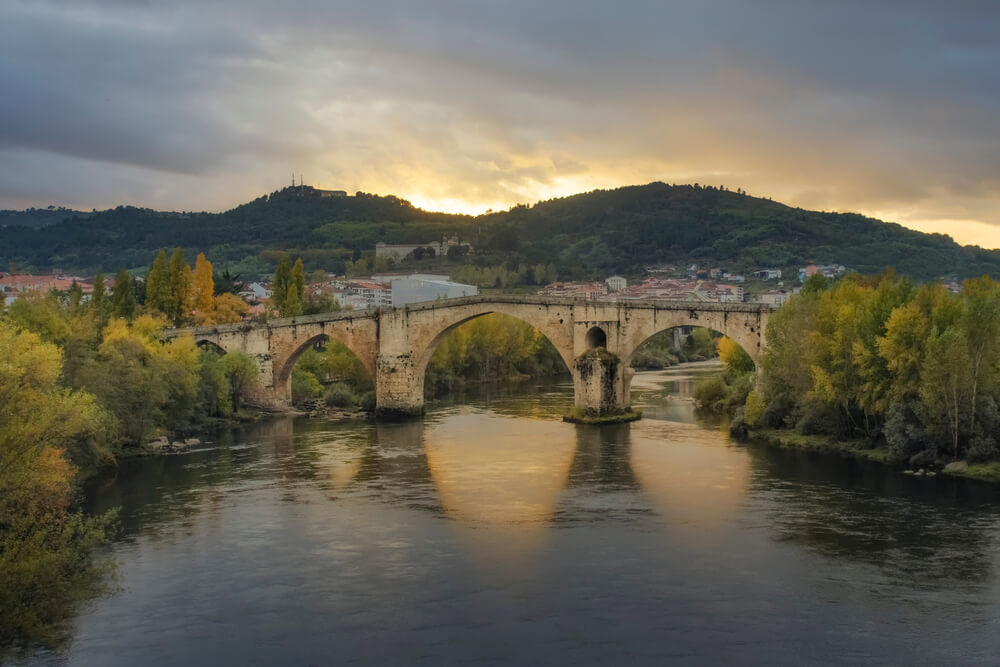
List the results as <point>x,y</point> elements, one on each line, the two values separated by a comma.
<point>887,106</point>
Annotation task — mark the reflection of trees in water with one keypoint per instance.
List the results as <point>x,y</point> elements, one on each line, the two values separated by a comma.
<point>938,531</point>
<point>694,477</point>
<point>544,400</point>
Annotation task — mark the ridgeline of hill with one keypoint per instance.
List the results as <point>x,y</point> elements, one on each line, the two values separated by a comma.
<point>39,217</point>
<point>586,235</point>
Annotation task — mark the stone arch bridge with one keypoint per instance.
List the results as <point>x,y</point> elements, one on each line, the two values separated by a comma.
<point>595,339</point>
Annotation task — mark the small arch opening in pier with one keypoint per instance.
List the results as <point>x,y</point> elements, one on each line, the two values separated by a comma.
<point>596,337</point>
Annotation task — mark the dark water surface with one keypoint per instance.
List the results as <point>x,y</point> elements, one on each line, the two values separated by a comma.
<point>493,533</point>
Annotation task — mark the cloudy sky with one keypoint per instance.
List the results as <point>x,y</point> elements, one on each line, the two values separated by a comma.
<point>888,107</point>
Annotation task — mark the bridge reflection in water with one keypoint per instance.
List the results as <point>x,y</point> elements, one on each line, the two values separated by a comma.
<point>505,482</point>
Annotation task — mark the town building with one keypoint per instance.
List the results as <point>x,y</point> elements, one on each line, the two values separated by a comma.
<point>375,295</point>
<point>418,288</point>
<point>767,274</point>
<point>575,290</point>
<point>255,292</point>
<point>14,285</point>
<point>830,271</point>
<point>670,289</point>
<point>616,283</point>
<point>775,298</point>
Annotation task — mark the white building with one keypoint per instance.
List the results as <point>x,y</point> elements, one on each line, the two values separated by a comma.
<point>418,288</point>
<point>768,274</point>
<point>351,300</point>
<point>375,294</point>
<point>774,298</point>
<point>255,292</point>
<point>616,283</point>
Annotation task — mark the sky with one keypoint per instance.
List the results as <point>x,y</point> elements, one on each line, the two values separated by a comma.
<point>886,107</point>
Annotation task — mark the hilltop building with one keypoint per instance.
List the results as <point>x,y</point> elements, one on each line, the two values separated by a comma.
<point>399,251</point>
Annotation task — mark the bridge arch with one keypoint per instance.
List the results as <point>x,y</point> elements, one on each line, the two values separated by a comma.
<point>210,345</point>
<point>745,329</point>
<point>283,375</point>
<point>553,322</point>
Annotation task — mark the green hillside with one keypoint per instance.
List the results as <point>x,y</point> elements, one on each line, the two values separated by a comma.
<point>586,235</point>
<point>38,217</point>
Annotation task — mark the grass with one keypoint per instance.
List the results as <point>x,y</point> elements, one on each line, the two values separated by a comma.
<point>986,472</point>
<point>793,440</point>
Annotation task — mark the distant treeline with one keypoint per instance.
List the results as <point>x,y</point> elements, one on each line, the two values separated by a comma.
<point>584,236</point>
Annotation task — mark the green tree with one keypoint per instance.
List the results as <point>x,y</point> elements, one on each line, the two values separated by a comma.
<point>946,383</point>
<point>158,294</point>
<point>181,288</point>
<point>280,283</point>
<point>123,298</point>
<point>75,296</point>
<point>241,371</point>
<point>45,549</point>
<point>99,298</point>
<point>981,322</point>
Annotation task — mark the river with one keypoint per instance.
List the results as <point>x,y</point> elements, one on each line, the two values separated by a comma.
<point>493,533</point>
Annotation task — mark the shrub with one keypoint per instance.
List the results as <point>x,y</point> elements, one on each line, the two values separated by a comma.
<point>711,394</point>
<point>339,395</point>
<point>753,409</point>
<point>305,386</point>
<point>367,401</point>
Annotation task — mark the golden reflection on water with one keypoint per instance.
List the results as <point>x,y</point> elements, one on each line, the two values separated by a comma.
<point>693,476</point>
<point>500,472</point>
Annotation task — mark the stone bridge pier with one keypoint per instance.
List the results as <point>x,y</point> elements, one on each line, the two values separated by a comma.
<point>596,341</point>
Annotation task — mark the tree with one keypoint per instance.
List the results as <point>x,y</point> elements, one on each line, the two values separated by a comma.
<point>737,361</point>
<point>981,322</point>
<point>123,298</point>
<point>204,290</point>
<point>158,294</point>
<point>298,282</point>
<point>229,308</point>
<point>241,371</point>
<point>99,298</point>
<point>180,288</point>
<point>293,305</point>
<point>227,283</point>
<point>45,550</point>
<point>75,296</point>
<point>280,283</point>
<point>946,383</point>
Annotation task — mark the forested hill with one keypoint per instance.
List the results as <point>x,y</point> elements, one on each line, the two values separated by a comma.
<point>38,217</point>
<point>586,235</point>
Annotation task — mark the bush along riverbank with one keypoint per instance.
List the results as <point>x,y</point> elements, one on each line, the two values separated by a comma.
<point>879,368</point>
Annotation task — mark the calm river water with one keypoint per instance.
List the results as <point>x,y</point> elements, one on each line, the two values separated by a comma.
<point>493,533</point>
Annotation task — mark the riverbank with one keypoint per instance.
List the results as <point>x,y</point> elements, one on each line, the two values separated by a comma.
<point>859,449</point>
